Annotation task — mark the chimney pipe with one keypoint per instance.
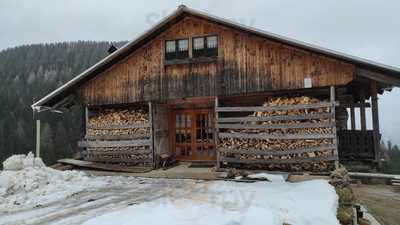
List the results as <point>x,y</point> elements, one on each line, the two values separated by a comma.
<point>112,49</point>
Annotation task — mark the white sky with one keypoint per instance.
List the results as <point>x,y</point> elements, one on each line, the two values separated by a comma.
<point>364,28</point>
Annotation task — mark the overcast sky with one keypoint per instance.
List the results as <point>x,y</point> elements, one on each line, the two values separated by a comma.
<point>364,28</point>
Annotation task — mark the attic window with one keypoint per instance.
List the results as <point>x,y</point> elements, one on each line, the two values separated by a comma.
<point>177,49</point>
<point>205,46</point>
<point>212,45</point>
<point>212,42</point>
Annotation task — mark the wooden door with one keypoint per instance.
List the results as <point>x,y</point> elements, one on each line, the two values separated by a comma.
<point>193,134</point>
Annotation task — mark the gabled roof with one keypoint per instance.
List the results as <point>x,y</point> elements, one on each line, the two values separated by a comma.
<point>65,90</point>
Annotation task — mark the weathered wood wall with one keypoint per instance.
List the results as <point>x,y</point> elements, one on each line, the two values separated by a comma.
<point>246,64</point>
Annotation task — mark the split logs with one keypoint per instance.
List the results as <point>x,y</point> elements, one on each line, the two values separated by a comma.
<point>120,137</point>
<point>284,134</point>
<point>128,155</point>
<point>119,122</point>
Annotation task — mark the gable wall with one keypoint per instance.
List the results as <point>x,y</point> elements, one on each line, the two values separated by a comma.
<point>245,64</point>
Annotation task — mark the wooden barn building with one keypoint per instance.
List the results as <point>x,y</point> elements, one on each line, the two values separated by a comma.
<point>200,88</point>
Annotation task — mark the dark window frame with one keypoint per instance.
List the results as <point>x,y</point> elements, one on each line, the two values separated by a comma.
<point>205,51</point>
<point>182,54</point>
<point>177,54</point>
<point>198,52</point>
<point>211,51</point>
<point>169,55</point>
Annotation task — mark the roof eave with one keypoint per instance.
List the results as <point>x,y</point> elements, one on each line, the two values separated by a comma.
<point>106,60</point>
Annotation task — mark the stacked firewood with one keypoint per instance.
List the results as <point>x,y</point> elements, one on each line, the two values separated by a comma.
<point>119,154</point>
<point>115,124</point>
<point>273,145</point>
<point>111,117</point>
<point>129,156</point>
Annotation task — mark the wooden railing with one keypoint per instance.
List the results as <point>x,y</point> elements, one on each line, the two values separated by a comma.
<point>356,145</point>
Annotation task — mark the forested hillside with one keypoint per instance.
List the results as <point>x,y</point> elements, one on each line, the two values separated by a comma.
<point>28,73</point>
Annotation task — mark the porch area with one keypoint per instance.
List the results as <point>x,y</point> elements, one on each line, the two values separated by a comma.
<point>204,130</point>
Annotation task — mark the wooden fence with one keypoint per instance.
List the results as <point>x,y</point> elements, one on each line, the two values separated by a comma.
<point>126,150</point>
<point>225,125</point>
<point>356,145</point>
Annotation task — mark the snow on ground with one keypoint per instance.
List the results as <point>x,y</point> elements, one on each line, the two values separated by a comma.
<point>267,176</point>
<point>35,194</point>
<point>219,202</point>
<point>26,182</point>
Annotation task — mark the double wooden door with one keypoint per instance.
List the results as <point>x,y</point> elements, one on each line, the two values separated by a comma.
<point>192,134</point>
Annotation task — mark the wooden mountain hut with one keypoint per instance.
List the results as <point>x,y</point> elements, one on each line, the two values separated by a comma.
<point>200,88</point>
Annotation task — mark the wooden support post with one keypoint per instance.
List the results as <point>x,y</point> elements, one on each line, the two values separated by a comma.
<point>152,136</point>
<point>362,112</point>
<point>83,123</point>
<point>85,132</point>
<point>335,139</point>
<point>86,120</point>
<point>37,138</point>
<point>353,118</point>
<point>216,132</point>
<point>375,121</point>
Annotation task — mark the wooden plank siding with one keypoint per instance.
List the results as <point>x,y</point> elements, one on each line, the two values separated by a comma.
<point>246,63</point>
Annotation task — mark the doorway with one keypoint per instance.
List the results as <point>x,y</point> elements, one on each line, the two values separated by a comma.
<point>192,134</point>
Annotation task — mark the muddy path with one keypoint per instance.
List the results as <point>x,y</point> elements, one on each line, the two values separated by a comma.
<point>383,201</point>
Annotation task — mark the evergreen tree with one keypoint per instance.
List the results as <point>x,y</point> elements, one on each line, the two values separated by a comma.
<point>28,73</point>
<point>392,163</point>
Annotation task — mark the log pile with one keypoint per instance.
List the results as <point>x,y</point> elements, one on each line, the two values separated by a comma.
<point>111,117</point>
<point>118,125</point>
<point>120,155</point>
<point>273,145</point>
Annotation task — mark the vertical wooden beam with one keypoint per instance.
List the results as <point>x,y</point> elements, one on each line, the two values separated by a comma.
<point>37,138</point>
<point>172,130</point>
<point>85,131</point>
<point>353,118</point>
<point>362,112</point>
<point>86,120</point>
<point>154,156</point>
<point>216,131</point>
<point>83,123</point>
<point>192,114</point>
<point>335,139</point>
<point>375,121</point>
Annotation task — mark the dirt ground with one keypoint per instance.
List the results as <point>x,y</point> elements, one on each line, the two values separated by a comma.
<point>383,201</point>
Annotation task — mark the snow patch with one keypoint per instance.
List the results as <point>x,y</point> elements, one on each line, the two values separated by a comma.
<point>19,162</point>
<point>267,176</point>
<point>156,213</point>
<point>221,202</point>
<point>27,182</point>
